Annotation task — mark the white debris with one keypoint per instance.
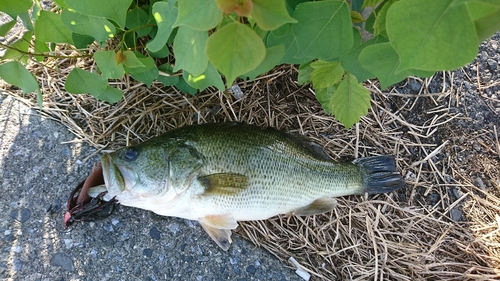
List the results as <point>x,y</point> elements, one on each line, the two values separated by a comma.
<point>300,270</point>
<point>68,243</point>
<point>236,91</point>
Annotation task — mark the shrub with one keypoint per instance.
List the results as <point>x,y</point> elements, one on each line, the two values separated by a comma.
<point>190,43</point>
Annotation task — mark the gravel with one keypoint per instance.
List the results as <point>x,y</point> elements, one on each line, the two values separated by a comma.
<point>40,163</point>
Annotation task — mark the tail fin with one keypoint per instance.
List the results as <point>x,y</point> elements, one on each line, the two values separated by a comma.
<point>380,174</point>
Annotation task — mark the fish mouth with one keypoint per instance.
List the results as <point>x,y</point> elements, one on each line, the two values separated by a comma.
<point>117,178</point>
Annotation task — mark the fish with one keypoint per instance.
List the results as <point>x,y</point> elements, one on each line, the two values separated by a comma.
<point>222,173</point>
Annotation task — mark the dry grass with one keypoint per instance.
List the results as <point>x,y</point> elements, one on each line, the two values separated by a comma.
<point>399,236</point>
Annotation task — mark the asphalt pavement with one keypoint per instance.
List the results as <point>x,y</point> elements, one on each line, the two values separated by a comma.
<point>40,163</point>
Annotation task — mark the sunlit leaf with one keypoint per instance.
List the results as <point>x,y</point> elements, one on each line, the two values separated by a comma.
<point>189,50</point>
<point>165,14</point>
<point>198,14</point>
<point>326,73</point>
<point>431,35</point>
<point>327,34</point>
<point>270,14</point>
<point>98,27</point>
<point>107,65</point>
<point>50,28</point>
<point>350,101</point>
<point>234,50</point>
<point>115,10</point>
<point>210,77</point>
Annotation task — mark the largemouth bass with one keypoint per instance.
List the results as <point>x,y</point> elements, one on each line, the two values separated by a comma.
<point>219,174</point>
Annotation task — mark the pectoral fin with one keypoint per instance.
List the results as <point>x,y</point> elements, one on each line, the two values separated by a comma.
<point>219,228</point>
<point>318,206</point>
<point>223,183</point>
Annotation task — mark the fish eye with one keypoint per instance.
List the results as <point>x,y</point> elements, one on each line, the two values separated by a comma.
<point>130,154</point>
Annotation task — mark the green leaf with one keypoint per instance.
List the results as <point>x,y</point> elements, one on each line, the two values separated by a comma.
<point>115,10</point>
<point>487,26</point>
<point>357,17</point>
<point>273,58</point>
<point>107,65</point>
<point>234,50</point>
<point>327,34</point>
<point>198,14</point>
<point>305,71</point>
<point>371,3</point>
<point>110,94</point>
<point>210,77</point>
<point>80,81</point>
<point>165,15</point>
<point>383,61</point>
<point>131,60</point>
<point>482,8</point>
<point>50,28</point>
<point>5,28</point>
<point>184,87</point>
<point>189,50</point>
<point>350,61</point>
<point>162,53</point>
<point>19,49</point>
<point>15,7</point>
<point>270,14</point>
<point>138,19</point>
<point>82,41</point>
<point>350,101</point>
<point>14,73</point>
<point>167,80</point>
<point>381,18</point>
<point>324,95</point>
<point>40,47</point>
<point>98,27</point>
<point>25,17</point>
<point>284,36</point>
<point>146,74</point>
<point>61,4</point>
<point>326,73</point>
<point>431,35</point>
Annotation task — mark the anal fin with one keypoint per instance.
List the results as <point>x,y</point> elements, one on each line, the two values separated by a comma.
<point>219,228</point>
<point>318,206</point>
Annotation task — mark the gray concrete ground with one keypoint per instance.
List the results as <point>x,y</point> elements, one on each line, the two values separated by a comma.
<point>40,163</point>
